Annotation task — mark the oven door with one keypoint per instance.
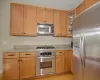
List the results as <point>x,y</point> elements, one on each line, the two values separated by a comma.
<point>45,65</point>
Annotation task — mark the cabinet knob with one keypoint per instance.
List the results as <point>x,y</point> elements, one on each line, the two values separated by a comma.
<point>45,21</point>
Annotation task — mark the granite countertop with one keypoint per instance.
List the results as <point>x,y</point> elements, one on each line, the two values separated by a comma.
<point>31,48</point>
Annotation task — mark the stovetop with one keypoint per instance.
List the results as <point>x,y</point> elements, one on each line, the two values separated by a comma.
<point>45,47</point>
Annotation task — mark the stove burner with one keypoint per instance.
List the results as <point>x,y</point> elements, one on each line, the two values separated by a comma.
<point>45,47</point>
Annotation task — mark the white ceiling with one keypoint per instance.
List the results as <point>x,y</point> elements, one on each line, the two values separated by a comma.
<point>56,4</point>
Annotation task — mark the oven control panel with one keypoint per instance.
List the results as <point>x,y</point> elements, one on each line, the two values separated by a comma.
<point>46,53</point>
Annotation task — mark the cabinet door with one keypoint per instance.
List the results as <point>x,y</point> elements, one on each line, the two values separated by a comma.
<point>60,23</point>
<point>68,60</point>
<point>60,64</point>
<point>80,8</point>
<point>16,22</point>
<point>41,15</point>
<point>27,67</point>
<point>49,16</point>
<point>11,69</point>
<point>63,22</point>
<point>71,59</point>
<point>30,20</point>
<point>89,3</point>
<point>57,27</point>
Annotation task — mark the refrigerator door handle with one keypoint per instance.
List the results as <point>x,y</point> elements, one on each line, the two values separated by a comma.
<point>83,49</point>
<point>80,45</point>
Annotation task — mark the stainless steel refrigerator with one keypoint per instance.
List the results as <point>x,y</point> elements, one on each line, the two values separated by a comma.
<point>86,44</point>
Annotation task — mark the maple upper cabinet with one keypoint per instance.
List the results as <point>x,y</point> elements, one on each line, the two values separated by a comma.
<point>45,15</point>
<point>84,5</point>
<point>30,20</point>
<point>17,20</point>
<point>80,8</point>
<point>49,16</point>
<point>60,23</point>
<point>23,20</point>
<point>10,66</point>
<point>89,3</point>
<point>40,15</point>
<point>60,62</point>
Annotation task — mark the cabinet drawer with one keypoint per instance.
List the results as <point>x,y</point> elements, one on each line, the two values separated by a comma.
<point>60,52</point>
<point>27,54</point>
<point>11,55</point>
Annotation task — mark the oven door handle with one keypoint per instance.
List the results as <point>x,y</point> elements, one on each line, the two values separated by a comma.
<point>46,57</point>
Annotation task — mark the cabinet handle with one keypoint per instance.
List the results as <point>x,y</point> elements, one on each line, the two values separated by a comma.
<point>19,60</point>
<point>60,52</point>
<point>27,54</point>
<point>11,55</point>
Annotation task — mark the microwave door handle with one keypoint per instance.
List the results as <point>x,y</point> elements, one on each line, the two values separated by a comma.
<point>49,29</point>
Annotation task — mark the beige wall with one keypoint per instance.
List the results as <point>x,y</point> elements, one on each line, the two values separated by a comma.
<point>7,41</point>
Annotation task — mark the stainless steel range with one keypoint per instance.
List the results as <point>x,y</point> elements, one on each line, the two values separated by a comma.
<point>45,63</point>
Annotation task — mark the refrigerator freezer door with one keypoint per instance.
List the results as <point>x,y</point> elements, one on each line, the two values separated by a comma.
<point>77,57</point>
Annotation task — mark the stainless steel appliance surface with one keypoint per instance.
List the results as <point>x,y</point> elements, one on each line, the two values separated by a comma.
<point>45,63</point>
<point>45,29</point>
<point>86,44</point>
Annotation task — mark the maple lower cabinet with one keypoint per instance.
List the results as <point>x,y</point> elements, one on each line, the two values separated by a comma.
<point>10,66</point>
<point>16,19</point>
<point>45,15</point>
<point>23,20</point>
<point>60,23</point>
<point>68,60</point>
<point>27,65</point>
<point>60,62</point>
<point>18,65</point>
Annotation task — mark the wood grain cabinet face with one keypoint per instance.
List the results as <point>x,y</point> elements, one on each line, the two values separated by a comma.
<point>40,15</point>
<point>10,66</point>
<point>19,65</point>
<point>49,16</point>
<point>27,67</point>
<point>89,3</point>
<point>30,20</point>
<point>23,20</point>
<point>80,8</point>
<point>64,22</point>
<point>60,23</point>
<point>68,60</point>
<point>60,63</point>
<point>45,15</point>
<point>16,22</point>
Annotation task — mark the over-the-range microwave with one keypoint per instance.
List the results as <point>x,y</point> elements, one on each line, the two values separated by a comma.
<point>45,29</point>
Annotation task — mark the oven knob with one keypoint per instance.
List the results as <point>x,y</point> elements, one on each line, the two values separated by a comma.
<point>41,54</point>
